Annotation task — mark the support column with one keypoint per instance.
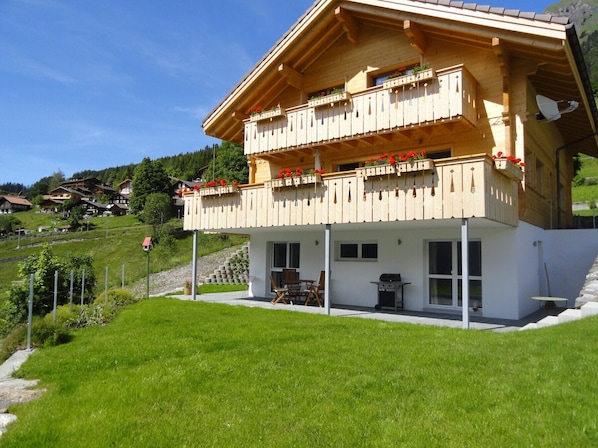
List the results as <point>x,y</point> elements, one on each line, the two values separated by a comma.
<point>327,253</point>
<point>194,268</point>
<point>465,272</point>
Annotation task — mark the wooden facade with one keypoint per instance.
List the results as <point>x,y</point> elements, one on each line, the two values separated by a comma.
<point>470,77</point>
<point>327,115</point>
<point>469,187</point>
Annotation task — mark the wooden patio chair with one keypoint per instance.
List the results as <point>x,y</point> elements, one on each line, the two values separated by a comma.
<point>281,293</point>
<point>316,291</point>
<point>290,281</point>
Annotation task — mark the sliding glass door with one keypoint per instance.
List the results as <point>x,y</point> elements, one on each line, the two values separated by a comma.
<point>445,280</point>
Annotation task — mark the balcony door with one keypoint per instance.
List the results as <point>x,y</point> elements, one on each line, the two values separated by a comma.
<point>444,274</point>
<point>283,255</point>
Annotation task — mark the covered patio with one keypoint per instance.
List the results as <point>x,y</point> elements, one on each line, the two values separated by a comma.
<point>410,317</point>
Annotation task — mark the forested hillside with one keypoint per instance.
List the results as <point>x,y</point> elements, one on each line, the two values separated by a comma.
<point>186,166</point>
<point>584,14</point>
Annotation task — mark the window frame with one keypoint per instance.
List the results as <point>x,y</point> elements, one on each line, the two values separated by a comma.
<point>359,251</point>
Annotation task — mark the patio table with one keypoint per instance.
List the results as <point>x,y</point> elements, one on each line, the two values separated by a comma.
<point>544,300</point>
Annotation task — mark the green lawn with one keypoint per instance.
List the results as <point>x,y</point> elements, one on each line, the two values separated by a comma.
<point>168,373</point>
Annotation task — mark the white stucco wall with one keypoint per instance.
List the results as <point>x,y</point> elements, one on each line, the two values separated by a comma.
<point>512,263</point>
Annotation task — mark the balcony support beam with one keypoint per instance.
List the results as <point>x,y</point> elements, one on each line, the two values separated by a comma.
<point>349,24</point>
<point>292,76</point>
<point>504,59</point>
<point>415,34</point>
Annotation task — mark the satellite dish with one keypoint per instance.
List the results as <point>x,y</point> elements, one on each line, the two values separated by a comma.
<point>551,110</point>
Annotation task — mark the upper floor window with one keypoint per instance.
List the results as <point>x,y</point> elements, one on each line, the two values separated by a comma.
<point>328,91</point>
<point>403,70</point>
<point>432,155</point>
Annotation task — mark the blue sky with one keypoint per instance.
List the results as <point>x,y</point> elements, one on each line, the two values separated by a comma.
<point>96,84</point>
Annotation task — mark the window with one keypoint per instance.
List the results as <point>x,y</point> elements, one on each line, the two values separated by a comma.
<point>284,255</point>
<point>357,251</point>
<point>445,283</point>
<point>328,91</point>
<point>403,70</point>
<point>431,155</point>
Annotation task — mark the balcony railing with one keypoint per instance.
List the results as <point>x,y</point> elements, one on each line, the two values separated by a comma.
<point>454,188</point>
<point>448,97</point>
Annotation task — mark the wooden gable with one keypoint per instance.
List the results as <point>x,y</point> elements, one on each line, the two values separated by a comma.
<point>541,49</point>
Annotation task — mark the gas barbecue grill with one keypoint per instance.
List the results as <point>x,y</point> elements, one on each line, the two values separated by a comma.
<point>390,291</point>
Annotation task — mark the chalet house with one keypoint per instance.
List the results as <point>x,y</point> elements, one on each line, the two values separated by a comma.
<point>12,204</point>
<point>126,187</point>
<point>53,201</point>
<point>385,137</point>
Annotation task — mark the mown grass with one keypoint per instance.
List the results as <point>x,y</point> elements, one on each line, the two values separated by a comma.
<point>193,374</point>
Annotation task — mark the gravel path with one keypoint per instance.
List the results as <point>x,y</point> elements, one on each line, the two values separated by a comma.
<point>174,279</point>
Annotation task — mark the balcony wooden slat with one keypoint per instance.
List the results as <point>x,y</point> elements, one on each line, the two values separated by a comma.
<point>456,188</point>
<point>449,97</point>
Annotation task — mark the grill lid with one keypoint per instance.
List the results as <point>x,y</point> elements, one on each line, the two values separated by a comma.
<point>390,278</point>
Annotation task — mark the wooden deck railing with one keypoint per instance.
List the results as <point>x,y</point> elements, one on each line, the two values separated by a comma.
<point>453,188</point>
<point>447,97</point>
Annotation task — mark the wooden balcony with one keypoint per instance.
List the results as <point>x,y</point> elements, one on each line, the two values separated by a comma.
<point>455,188</point>
<point>449,96</point>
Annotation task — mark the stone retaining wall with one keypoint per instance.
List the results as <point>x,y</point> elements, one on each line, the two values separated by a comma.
<point>589,292</point>
<point>229,273</point>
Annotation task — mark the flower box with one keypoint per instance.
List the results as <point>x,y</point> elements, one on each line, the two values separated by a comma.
<point>218,191</point>
<point>423,75</point>
<point>376,170</point>
<point>277,112</point>
<point>297,181</point>
<point>509,169</point>
<point>415,165</point>
<point>329,99</point>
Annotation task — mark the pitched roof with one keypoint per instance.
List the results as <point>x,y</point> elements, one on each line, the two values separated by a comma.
<point>542,17</point>
<point>17,200</point>
<point>547,40</point>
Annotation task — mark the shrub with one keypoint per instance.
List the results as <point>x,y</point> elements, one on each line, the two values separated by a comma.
<point>66,315</point>
<point>118,297</point>
<point>579,181</point>
<point>16,340</point>
<point>12,313</point>
<point>47,334</point>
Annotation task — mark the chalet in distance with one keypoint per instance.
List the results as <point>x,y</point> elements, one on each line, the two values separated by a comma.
<point>13,203</point>
<point>383,136</point>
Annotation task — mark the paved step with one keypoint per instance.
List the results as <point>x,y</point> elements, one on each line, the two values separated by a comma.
<point>569,315</point>
<point>589,309</point>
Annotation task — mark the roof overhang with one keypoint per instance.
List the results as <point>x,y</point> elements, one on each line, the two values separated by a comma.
<point>547,44</point>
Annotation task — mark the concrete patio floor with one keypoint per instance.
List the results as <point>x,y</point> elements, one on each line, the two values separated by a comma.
<point>476,322</point>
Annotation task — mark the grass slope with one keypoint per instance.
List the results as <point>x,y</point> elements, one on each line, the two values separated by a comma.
<point>113,242</point>
<point>187,374</point>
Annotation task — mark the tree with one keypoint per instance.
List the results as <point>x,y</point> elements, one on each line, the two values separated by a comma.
<point>75,216</point>
<point>150,177</point>
<point>9,223</point>
<point>230,163</point>
<point>157,210</point>
<point>43,267</point>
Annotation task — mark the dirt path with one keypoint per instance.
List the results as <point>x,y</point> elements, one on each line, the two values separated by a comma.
<point>174,279</point>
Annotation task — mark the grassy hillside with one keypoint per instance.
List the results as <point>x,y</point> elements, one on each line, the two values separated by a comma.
<point>589,173</point>
<point>113,242</point>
